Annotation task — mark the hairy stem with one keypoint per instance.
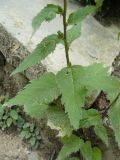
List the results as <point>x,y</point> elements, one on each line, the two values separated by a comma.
<point>65,34</point>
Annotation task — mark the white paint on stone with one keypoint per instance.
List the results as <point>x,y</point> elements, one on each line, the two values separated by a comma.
<point>96,44</point>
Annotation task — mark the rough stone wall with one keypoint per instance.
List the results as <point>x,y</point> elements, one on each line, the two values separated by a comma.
<point>14,52</point>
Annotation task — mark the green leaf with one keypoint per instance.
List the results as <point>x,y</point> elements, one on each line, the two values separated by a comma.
<point>1,110</point>
<point>57,119</point>
<point>36,110</point>
<point>26,125</point>
<point>86,150</point>
<point>28,135</point>
<point>47,14</point>
<point>23,134</point>
<point>40,91</point>
<point>20,121</point>
<point>9,122</point>
<point>37,131</point>
<point>32,126</point>
<point>97,155</point>
<point>96,77</point>
<point>42,50</point>
<point>101,132</point>
<point>81,14</point>
<point>32,141</point>
<point>14,114</point>
<point>5,117</point>
<point>114,116</point>
<point>73,95</point>
<point>71,82</point>
<point>73,33</point>
<point>70,145</point>
<point>91,117</point>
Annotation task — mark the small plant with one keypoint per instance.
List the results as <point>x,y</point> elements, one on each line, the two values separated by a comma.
<point>30,133</point>
<point>13,117</point>
<point>8,117</point>
<point>71,86</point>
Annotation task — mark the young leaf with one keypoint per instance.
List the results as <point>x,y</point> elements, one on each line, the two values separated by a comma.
<point>9,122</point>
<point>57,119</point>
<point>32,141</point>
<point>40,91</point>
<point>86,150</point>
<point>70,145</point>
<point>114,116</point>
<point>73,95</point>
<point>14,114</point>
<point>101,132</point>
<point>42,50</point>
<point>47,14</point>
<point>81,14</point>
<point>73,33</point>
<point>97,155</point>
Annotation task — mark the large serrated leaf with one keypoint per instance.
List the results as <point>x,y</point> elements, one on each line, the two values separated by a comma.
<point>47,14</point>
<point>70,145</point>
<point>96,77</point>
<point>73,33</point>
<point>36,110</point>
<point>114,116</point>
<point>73,95</point>
<point>81,14</point>
<point>97,155</point>
<point>38,93</point>
<point>57,119</point>
<point>101,132</point>
<point>71,82</point>
<point>42,50</point>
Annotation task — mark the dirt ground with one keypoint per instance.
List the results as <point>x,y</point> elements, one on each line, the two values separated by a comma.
<point>11,147</point>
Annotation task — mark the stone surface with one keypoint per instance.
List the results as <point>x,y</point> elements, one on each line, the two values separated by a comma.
<point>11,147</point>
<point>97,43</point>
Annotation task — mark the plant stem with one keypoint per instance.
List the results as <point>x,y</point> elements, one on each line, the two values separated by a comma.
<point>115,100</point>
<point>65,34</point>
